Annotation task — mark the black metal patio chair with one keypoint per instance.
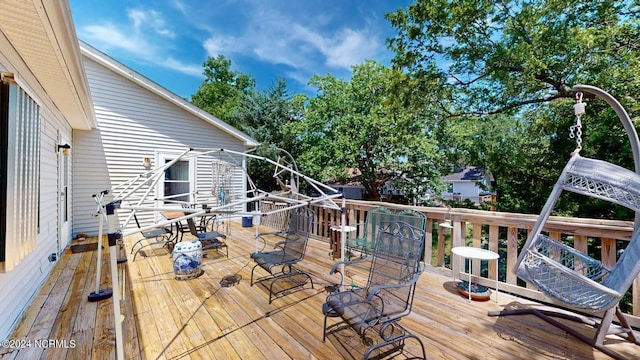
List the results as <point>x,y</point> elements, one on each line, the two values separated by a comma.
<point>209,239</point>
<point>279,263</point>
<point>160,235</point>
<point>375,309</point>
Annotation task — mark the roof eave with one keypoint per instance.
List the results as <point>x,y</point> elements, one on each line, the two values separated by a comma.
<point>61,29</point>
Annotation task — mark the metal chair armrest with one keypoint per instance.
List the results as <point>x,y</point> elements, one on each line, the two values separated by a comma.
<point>375,289</point>
<point>348,262</point>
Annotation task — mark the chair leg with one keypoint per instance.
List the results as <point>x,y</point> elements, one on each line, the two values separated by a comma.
<point>254,267</point>
<point>624,324</point>
<point>603,328</point>
<point>398,348</point>
<point>134,245</point>
<point>328,312</point>
<point>164,241</point>
<point>324,329</point>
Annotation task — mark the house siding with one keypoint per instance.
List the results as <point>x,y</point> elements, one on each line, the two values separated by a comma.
<point>463,190</point>
<point>20,285</point>
<point>134,123</point>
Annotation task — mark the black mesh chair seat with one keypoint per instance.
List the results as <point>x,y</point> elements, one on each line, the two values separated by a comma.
<point>271,258</point>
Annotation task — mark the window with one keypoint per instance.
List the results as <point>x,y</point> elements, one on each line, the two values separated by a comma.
<point>64,198</point>
<point>19,173</point>
<point>177,182</point>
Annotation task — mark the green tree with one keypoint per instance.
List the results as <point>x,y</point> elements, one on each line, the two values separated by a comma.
<point>357,124</point>
<point>264,115</point>
<point>520,60</point>
<point>222,89</point>
<point>502,55</point>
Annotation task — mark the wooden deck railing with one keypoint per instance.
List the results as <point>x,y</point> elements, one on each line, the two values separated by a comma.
<point>502,233</point>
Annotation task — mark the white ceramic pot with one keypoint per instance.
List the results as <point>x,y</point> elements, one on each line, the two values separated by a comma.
<point>187,257</point>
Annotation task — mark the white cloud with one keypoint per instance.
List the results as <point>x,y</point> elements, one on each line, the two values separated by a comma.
<point>146,36</point>
<point>280,38</point>
<point>189,69</point>
<point>350,48</point>
<point>220,45</point>
<point>111,36</point>
<point>181,7</point>
<point>308,39</point>
<point>144,18</point>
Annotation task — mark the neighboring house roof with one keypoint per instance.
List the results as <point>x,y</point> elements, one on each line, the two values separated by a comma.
<point>469,173</point>
<point>41,35</point>
<point>128,73</point>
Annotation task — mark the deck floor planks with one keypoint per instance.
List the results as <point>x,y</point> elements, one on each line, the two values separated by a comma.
<point>160,306</point>
<point>218,318</point>
<point>83,328</point>
<point>286,317</point>
<point>465,319</point>
<point>31,314</point>
<point>280,306</point>
<point>143,290</point>
<point>207,315</point>
<point>191,335</point>
<point>248,317</point>
<point>219,345</point>
<point>268,315</point>
<point>246,343</point>
<point>275,317</point>
<point>129,323</point>
<point>264,315</point>
<point>163,305</point>
<point>69,311</point>
<point>196,318</point>
<point>104,337</point>
<point>42,327</point>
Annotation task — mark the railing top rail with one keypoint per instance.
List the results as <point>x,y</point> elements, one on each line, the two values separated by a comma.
<point>617,229</point>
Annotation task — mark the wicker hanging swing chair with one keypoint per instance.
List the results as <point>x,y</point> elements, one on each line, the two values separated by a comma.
<point>568,277</point>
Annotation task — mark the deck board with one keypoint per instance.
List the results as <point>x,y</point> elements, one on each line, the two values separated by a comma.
<point>206,318</point>
<point>83,328</point>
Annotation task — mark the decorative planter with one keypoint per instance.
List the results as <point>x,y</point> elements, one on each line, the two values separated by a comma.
<point>478,292</point>
<point>187,260</point>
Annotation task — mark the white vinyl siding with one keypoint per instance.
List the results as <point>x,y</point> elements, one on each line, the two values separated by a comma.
<point>135,123</point>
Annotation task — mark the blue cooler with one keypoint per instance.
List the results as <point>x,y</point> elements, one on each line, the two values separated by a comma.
<point>247,221</point>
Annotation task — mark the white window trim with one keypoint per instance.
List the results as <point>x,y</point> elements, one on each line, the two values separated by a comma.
<point>161,158</point>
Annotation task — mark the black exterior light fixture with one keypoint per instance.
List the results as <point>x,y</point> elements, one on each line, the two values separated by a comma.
<point>65,148</point>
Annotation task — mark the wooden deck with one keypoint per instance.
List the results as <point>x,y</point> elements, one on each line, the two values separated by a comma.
<point>212,318</point>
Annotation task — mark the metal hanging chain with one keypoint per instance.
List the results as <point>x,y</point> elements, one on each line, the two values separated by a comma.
<point>575,131</point>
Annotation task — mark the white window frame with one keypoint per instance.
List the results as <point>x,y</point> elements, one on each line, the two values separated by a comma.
<point>162,158</point>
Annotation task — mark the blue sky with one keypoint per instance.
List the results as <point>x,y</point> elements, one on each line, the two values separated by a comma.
<point>169,40</point>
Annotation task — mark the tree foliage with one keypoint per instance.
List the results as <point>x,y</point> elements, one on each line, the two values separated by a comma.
<point>357,124</point>
<point>504,70</point>
<point>222,89</point>
<point>502,55</point>
<point>264,115</point>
